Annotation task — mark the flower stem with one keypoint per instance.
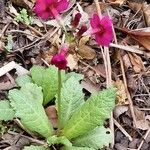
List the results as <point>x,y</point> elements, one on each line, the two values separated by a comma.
<point>59,101</point>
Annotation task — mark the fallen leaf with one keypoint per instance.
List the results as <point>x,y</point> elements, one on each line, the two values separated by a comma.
<point>145,10</point>
<point>121,92</point>
<point>119,110</point>
<point>137,62</point>
<point>142,36</point>
<point>6,85</point>
<point>119,2</point>
<point>72,61</point>
<point>127,61</point>
<point>52,115</point>
<point>85,51</point>
<point>141,122</point>
<point>90,86</point>
<point>100,70</point>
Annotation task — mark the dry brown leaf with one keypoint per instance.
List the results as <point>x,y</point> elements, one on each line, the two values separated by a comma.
<point>100,70</point>
<point>127,61</point>
<point>72,62</point>
<point>118,2</point>
<point>90,86</point>
<point>137,62</point>
<point>141,122</point>
<point>52,115</point>
<point>145,9</point>
<point>121,93</point>
<point>86,52</point>
<point>119,110</point>
<point>142,36</point>
<point>6,85</point>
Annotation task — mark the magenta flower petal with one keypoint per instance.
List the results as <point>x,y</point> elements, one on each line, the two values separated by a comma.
<point>104,40</point>
<point>59,61</point>
<point>106,22</point>
<point>44,15</point>
<point>102,29</point>
<point>62,5</point>
<point>52,7</point>
<point>95,21</point>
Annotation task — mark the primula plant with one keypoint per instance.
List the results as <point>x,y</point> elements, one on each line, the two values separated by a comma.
<point>80,120</point>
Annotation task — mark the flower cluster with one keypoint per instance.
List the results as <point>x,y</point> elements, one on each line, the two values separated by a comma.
<point>101,27</point>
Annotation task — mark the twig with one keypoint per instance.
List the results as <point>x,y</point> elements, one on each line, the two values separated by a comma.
<point>31,139</point>
<point>122,130</point>
<point>127,91</point>
<point>127,48</point>
<point>98,7</point>
<point>145,136</point>
<point>22,32</point>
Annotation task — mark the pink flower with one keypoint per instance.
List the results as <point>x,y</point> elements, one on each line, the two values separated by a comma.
<point>102,29</point>
<point>76,20</point>
<point>59,60</point>
<point>50,8</point>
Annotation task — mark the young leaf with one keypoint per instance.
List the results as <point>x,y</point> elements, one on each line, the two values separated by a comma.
<point>93,113</point>
<point>22,80</point>
<point>72,98</point>
<point>95,138</point>
<point>59,140</point>
<point>32,147</point>
<point>47,79</point>
<point>27,103</point>
<point>6,112</point>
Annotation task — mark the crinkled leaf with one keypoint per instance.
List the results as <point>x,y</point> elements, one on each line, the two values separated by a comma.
<point>47,79</point>
<point>72,98</point>
<point>27,103</point>
<point>59,140</point>
<point>77,148</point>
<point>22,80</point>
<point>76,75</point>
<point>6,111</point>
<point>92,114</point>
<point>32,147</point>
<point>97,138</point>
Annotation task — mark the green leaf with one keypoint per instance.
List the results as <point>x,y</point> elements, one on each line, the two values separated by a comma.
<point>59,140</point>
<point>77,148</point>
<point>24,17</point>
<point>76,75</point>
<point>92,114</point>
<point>97,139</point>
<point>72,98</point>
<point>47,79</point>
<point>27,103</point>
<point>32,147</point>
<point>6,112</point>
<point>22,80</point>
